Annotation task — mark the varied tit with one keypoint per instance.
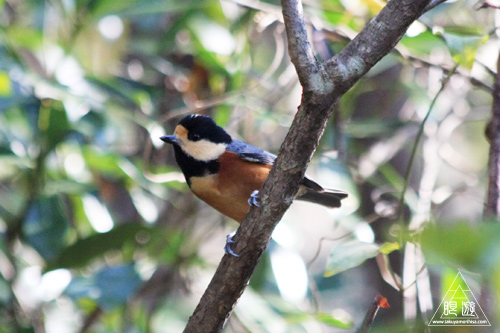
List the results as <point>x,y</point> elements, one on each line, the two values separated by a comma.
<point>227,173</point>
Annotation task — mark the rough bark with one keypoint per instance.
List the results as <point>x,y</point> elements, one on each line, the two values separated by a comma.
<point>323,84</point>
<point>492,208</point>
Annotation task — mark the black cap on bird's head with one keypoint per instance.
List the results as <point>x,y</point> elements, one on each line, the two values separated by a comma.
<point>203,127</point>
<point>199,137</point>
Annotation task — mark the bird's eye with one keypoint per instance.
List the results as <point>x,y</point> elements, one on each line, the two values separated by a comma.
<point>195,137</point>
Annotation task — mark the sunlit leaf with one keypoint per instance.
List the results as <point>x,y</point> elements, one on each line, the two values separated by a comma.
<point>213,36</point>
<point>374,6</point>
<point>389,247</point>
<point>101,161</point>
<point>29,38</point>
<point>333,321</point>
<point>5,84</point>
<point>294,316</point>
<point>349,254</point>
<point>463,48</point>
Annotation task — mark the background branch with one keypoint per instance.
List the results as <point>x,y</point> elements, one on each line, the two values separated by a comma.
<point>433,4</point>
<point>492,208</point>
<point>318,100</point>
<point>378,302</point>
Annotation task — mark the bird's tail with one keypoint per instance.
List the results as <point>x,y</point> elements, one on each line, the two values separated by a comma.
<point>325,197</point>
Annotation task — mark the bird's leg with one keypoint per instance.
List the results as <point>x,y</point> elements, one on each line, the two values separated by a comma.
<point>254,199</point>
<point>229,241</point>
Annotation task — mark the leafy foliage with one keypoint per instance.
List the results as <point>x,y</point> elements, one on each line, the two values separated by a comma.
<point>99,230</point>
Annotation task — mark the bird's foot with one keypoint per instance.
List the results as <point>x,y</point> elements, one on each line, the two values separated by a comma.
<point>254,199</point>
<point>227,247</point>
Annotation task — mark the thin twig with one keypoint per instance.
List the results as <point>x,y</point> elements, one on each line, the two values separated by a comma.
<point>420,271</point>
<point>378,302</point>
<point>318,250</point>
<point>475,82</point>
<point>414,153</point>
<point>486,4</point>
<point>402,225</point>
<point>433,4</point>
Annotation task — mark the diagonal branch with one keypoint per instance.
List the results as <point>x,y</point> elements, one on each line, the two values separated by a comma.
<point>375,41</point>
<point>323,85</point>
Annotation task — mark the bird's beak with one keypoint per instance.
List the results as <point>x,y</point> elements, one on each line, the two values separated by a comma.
<point>170,139</point>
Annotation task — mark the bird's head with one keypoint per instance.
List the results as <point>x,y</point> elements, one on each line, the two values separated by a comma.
<point>199,137</point>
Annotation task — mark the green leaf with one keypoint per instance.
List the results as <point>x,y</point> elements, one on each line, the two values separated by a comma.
<point>53,123</point>
<point>5,84</point>
<point>349,254</point>
<point>472,247</point>
<point>211,34</point>
<point>84,250</point>
<point>108,163</point>
<point>24,37</point>
<point>296,317</point>
<point>423,43</point>
<point>137,7</point>
<point>389,247</point>
<point>332,321</point>
<point>45,226</point>
<point>463,48</point>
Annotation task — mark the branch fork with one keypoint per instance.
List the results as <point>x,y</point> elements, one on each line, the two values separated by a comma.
<point>323,84</point>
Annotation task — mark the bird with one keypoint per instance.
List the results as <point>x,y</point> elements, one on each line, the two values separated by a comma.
<point>226,173</point>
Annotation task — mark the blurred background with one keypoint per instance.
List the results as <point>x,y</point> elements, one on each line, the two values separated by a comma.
<point>100,232</point>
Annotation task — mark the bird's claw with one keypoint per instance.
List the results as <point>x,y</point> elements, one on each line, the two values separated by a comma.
<point>227,247</point>
<point>254,199</point>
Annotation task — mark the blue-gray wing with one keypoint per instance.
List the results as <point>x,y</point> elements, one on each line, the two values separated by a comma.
<point>311,191</point>
<point>250,153</point>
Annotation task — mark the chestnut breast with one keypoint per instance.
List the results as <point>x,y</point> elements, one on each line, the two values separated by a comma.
<point>228,190</point>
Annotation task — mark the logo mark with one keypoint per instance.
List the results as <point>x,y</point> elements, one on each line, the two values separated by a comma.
<point>459,307</point>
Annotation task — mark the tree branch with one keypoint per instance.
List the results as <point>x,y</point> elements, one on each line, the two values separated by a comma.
<point>322,88</point>
<point>433,4</point>
<point>299,47</point>
<point>376,40</point>
<point>378,302</point>
<point>492,208</point>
